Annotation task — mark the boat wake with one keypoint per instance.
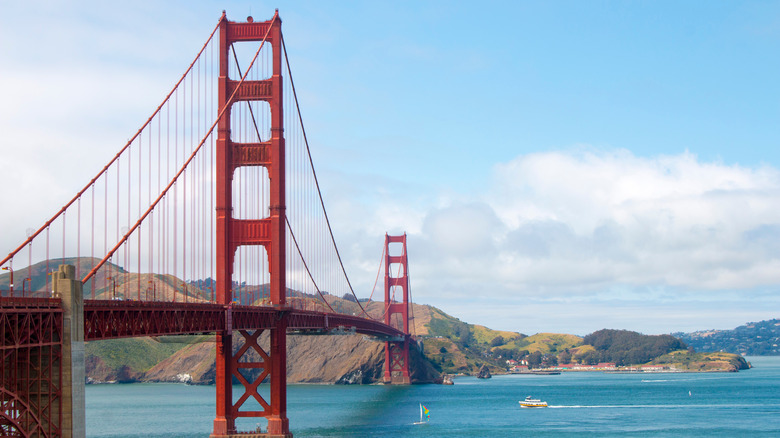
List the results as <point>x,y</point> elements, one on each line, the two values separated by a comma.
<point>649,406</point>
<point>594,406</point>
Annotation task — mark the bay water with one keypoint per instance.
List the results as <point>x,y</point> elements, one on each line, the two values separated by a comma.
<point>581,404</point>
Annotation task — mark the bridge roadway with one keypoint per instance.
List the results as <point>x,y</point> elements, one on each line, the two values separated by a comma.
<point>106,319</point>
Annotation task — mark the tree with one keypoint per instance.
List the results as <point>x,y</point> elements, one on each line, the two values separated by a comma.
<point>627,348</point>
<point>534,359</point>
<point>564,357</point>
<point>463,333</point>
<point>498,340</point>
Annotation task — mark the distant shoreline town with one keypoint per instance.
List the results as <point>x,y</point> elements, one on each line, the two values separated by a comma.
<point>607,367</point>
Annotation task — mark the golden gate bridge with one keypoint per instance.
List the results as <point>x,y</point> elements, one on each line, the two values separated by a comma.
<point>210,219</point>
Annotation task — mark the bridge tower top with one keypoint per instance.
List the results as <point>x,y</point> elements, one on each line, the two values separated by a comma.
<point>397,275</point>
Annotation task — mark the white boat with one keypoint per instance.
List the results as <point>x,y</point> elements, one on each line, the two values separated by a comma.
<point>423,412</point>
<point>530,402</point>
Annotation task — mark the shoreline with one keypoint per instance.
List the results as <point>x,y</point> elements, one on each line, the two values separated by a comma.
<point>555,372</point>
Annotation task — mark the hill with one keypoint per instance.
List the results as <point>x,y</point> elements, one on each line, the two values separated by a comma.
<point>752,339</point>
<point>445,343</point>
<point>111,281</point>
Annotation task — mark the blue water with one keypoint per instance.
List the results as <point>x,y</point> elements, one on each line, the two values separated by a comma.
<point>581,404</point>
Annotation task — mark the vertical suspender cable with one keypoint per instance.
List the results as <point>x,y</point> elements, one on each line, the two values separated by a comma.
<point>140,182</point>
<point>92,242</point>
<point>184,193</point>
<point>175,227</point>
<point>211,186</point>
<point>105,226</point>
<point>47,260</point>
<point>78,236</point>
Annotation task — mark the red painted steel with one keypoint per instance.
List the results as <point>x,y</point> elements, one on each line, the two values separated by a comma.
<point>397,352</point>
<point>124,319</point>
<point>269,232</point>
<point>30,367</point>
<point>251,154</point>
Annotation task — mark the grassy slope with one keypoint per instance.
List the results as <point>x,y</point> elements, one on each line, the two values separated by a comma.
<point>485,335</point>
<point>454,346</point>
<point>685,360</point>
<point>140,354</point>
<point>548,343</point>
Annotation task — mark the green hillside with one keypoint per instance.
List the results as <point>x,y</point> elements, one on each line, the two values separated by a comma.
<point>549,343</point>
<point>455,347</point>
<point>137,354</point>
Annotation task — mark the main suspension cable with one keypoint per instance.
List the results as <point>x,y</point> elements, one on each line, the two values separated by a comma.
<point>32,236</point>
<point>305,265</point>
<point>184,166</point>
<point>316,181</point>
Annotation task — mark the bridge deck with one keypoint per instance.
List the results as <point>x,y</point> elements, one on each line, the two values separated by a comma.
<point>123,319</point>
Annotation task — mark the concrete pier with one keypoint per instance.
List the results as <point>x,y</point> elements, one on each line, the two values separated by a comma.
<point>69,289</point>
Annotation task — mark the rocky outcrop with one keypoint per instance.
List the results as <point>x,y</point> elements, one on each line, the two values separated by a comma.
<point>331,359</point>
<point>346,359</point>
<point>98,372</point>
<point>484,372</point>
<point>445,379</point>
<point>420,369</point>
<point>191,364</point>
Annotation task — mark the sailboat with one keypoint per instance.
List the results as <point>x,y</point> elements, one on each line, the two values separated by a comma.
<point>424,412</point>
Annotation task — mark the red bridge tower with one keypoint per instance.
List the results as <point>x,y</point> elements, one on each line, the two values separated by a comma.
<point>397,352</point>
<point>269,232</point>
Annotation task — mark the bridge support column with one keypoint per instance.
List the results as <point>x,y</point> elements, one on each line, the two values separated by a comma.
<point>69,289</point>
<point>397,363</point>
<point>224,422</point>
<point>278,423</point>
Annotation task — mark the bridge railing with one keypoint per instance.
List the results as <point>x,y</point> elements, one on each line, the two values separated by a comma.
<point>14,302</point>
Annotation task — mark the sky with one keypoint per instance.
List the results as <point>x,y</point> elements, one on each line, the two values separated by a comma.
<point>557,166</point>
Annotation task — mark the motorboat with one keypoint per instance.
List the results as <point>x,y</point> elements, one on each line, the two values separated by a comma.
<point>531,402</point>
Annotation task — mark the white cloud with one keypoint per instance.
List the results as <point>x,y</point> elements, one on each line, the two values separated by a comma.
<point>600,227</point>
<point>616,218</point>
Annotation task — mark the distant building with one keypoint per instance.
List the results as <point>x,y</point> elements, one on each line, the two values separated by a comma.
<point>652,368</point>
